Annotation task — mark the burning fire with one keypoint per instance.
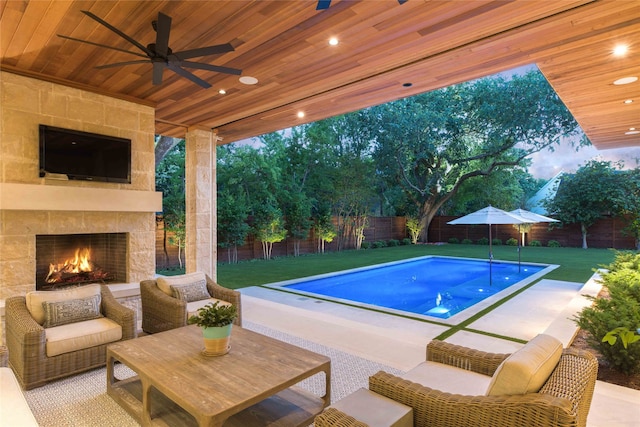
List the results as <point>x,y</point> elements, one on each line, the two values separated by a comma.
<point>78,268</point>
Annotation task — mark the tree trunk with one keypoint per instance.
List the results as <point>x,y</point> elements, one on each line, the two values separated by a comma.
<point>583,228</point>
<point>163,146</point>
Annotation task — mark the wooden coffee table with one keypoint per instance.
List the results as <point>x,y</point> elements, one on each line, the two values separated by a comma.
<point>252,385</point>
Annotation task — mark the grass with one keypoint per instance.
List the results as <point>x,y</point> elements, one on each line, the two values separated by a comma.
<point>576,265</point>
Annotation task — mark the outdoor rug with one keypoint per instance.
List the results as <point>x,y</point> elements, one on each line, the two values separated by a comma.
<point>82,400</point>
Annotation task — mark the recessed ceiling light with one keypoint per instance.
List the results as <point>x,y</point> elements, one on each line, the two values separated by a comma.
<point>625,80</point>
<point>248,80</point>
<point>222,91</point>
<point>632,128</point>
<point>407,84</point>
<point>300,114</point>
<point>333,41</point>
<point>620,50</point>
<point>628,101</point>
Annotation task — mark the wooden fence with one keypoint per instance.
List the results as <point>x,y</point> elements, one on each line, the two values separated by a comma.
<point>606,233</point>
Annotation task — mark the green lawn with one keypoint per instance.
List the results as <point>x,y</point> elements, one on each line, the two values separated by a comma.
<point>576,265</point>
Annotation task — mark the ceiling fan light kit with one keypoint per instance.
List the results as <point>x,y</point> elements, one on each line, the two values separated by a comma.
<point>160,54</point>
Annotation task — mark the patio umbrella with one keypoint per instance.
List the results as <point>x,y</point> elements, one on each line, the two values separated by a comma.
<point>490,216</point>
<point>531,218</point>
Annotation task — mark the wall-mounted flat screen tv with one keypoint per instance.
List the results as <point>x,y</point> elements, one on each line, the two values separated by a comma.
<point>84,156</point>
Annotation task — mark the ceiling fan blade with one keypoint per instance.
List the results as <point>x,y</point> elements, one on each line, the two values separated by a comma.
<point>158,68</point>
<point>120,64</point>
<point>163,29</point>
<point>184,73</point>
<point>118,32</point>
<point>209,67</point>
<point>402,1</point>
<point>323,4</point>
<point>102,45</point>
<point>204,51</point>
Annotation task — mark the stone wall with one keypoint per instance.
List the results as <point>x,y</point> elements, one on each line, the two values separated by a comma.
<point>28,102</point>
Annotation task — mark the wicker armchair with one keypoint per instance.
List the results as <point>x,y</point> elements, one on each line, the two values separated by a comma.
<point>564,400</point>
<point>161,312</point>
<point>26,342</point>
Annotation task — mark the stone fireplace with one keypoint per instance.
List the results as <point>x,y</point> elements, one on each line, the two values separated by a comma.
<point>76,259</point>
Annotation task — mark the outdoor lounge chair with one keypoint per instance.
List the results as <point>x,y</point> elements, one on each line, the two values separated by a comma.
<point>164,307</point>
<point>53,334</point>
<point>563,399</point>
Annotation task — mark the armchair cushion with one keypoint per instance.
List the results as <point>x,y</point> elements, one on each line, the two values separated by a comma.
<point>191,292</point>
<point>165,283</point>
<point>58,313</point>
<point>81,335</point>
<point>526,370</point>
<point>449,379</point>
<point>35,300</point>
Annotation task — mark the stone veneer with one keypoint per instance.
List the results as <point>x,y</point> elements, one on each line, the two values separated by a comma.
<point>28,102</point>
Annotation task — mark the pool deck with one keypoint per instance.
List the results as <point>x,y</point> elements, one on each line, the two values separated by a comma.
<point>399,342</point>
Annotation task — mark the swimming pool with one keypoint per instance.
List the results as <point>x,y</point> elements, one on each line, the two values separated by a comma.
<point>432,286</point>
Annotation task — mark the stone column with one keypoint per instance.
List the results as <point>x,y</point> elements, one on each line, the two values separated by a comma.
<point>200,176</point>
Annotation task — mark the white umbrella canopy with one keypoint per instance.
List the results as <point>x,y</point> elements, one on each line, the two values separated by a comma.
<point>531,216</point>
<point>490,216</point>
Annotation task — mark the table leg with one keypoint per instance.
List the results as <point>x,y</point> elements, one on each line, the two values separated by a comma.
<point>327,395</point>
<point>110,370</point>
<point>146,402</point>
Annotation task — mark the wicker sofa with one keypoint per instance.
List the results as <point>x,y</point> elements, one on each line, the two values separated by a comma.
<point>563,400</point>
<point>162,310</point>
<point>30,342</point>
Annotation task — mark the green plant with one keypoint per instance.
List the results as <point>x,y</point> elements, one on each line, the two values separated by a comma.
<point>454,240</point>
<point>535,243</point>
<point>496,242</point>
<point>379,244</point>
<point>214,314</point>
<point>413,224</point>
<point>393,242</point>
<point>553,244</point>
<point>406,241</point>
<point>483,241</point>
<point>512,242</point>
<point>365,245</point>
<point>615,316</point>
<point>467,241</point>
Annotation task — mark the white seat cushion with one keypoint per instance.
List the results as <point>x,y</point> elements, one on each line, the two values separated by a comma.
<point>192,307</point>
<point>35,299</point>
<point>81,335</point>
<point>527,369</point>
<point>14,410</point>
<point>375,410</point>
<point>449,379</point>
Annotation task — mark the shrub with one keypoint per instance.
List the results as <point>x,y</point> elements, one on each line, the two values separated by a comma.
<point>393,242</point>
<point>379,244</point>
<point>365,245</point>
<point>553,244</point>
<point>406,241</point>
<point>512,242</point>
<point>621,309</point>
<point>535,243</point>
<point>467,241</point>
<point>483,241</point>
<point>454,240</point>
<point>496,242</point>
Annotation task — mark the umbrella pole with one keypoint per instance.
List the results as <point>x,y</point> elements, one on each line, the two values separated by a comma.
<point>490,259</point>
<point>519,248</point>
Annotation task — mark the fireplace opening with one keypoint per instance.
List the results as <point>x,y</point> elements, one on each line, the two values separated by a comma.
<point>74,259</point>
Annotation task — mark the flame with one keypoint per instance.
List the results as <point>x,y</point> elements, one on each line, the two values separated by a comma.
<point>81,262</point>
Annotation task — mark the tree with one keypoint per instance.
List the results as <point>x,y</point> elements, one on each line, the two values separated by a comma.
<point>629,205</point>
<point>597,188</point>
<point>232,223</point>
<point>430,144</point>
<point>268,226</point>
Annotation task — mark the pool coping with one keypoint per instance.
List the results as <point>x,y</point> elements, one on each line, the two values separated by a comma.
<point>453,320</point>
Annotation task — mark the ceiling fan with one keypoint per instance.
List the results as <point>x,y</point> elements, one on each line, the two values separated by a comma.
<point>160,54</point>
<point>324,4</point>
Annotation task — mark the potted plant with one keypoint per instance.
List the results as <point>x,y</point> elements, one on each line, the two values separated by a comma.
<point>216,320</point>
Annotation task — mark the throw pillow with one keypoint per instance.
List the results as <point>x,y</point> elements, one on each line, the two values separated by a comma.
<point>527,369</point>
<point>58,313</point>
<point>191,292</point>
<point>165,282</point>
<point>35,299</point>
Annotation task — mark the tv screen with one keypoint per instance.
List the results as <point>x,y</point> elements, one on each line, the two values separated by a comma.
<point>84,156</point>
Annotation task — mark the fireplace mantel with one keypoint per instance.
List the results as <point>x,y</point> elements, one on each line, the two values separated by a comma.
<point>31,197</point>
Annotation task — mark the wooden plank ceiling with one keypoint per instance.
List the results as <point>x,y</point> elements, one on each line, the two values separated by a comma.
<point>384,46</point>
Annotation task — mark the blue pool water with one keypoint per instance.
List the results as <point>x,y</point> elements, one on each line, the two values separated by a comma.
<point>432,286</point>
